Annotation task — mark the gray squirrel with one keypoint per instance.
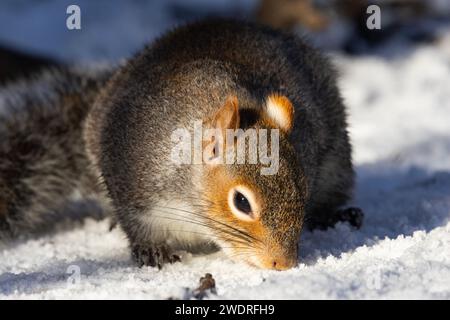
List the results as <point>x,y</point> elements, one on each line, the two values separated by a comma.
<point>72,138</point>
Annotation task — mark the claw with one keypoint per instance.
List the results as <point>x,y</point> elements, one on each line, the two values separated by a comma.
<point>154,256</point>
<point>354,216</point>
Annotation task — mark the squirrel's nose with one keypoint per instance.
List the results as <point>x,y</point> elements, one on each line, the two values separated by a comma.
<point>283,263</point>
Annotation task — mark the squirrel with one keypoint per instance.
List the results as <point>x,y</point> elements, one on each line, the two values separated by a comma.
<point>107,137</point>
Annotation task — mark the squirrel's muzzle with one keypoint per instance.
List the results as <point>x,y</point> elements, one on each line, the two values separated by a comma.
<point>281,263</point>
<point>278,259</point>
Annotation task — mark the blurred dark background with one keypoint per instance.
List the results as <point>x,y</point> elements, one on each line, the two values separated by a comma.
<point>33,34</point>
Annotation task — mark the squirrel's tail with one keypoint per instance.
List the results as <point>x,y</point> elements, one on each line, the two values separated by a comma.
<point>15,64</point>
<point>45,175</point>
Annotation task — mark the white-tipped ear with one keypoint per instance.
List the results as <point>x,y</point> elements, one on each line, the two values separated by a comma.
<point>280,110</point>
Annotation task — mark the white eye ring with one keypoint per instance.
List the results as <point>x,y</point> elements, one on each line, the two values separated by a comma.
<point>250,212</point>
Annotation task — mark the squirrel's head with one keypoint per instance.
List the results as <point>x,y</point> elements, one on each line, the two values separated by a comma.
<point>254,188</point>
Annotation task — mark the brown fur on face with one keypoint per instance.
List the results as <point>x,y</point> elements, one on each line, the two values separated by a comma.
<point>252,241</point>
<point>260,241</point>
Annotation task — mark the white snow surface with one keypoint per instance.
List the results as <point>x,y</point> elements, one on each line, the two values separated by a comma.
<point>399,114</point>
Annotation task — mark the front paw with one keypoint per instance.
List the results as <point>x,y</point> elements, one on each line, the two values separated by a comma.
<point>352,215</point>
<point>153,255</point>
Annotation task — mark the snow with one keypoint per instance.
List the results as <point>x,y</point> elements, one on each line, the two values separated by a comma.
<point>399,113</point>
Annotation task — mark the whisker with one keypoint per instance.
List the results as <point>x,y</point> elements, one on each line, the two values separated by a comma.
<point>213,210</point>
<point>202,233</point>
<point>202,216</point>
<point>245,234</point>
<point>226,232</point>
<point>217,228</point>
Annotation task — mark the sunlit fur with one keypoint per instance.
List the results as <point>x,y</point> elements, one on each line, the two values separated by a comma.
<point>189,75</point>
<point>105,136</point>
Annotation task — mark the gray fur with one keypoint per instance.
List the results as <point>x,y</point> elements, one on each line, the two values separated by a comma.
<point>187,75</point>
<point>48,150</point>
<point>45,176</point>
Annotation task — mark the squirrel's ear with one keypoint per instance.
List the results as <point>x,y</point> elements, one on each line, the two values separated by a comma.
<point>280,110</point>
<point>227,117</point>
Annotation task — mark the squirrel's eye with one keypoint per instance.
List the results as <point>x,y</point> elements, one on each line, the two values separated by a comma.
<point>241,203</point>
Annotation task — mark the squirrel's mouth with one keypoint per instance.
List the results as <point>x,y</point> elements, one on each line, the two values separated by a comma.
<point>279,262</point>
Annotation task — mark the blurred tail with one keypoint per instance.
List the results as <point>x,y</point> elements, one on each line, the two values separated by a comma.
<point>15,64</point>
<point>45,175</point>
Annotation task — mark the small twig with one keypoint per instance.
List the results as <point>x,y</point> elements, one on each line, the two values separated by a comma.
<point>207,283</point>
